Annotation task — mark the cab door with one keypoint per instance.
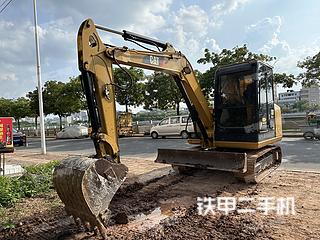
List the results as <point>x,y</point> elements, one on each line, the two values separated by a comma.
<point>174,126</point>
<point>187,124</point>
<point>266,103</point>
<point>163,127</point>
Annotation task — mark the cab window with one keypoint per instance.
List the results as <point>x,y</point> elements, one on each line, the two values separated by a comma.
<point>164,121</point>
<point>175,120</point>
<point>237,100</point>
<point>185,120</point>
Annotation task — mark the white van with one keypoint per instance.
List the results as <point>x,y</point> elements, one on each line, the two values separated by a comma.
<point>173,126</point>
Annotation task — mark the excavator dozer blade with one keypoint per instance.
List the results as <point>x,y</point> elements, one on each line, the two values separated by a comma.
<point>86,187</point>
<point>250,166</point>
<point>194,157</point>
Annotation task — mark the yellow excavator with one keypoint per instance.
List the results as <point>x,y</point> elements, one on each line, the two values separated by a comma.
<point>238,135</point>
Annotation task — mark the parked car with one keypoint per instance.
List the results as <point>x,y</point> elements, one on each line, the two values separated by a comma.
<point>311,131</point>
<point>173,126</point>
<point>19,139</point>
<point>73,132</point>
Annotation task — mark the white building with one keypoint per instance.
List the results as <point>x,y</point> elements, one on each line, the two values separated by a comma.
<point>289,98</point>
<point>80,116</point>
<point>310,94</point>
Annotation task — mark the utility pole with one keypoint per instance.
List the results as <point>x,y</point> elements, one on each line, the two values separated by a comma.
<point>42,133</point>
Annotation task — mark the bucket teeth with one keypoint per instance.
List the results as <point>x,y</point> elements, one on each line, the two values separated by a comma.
<point>83,226</point>
<point>77,221</point>
<point>86,187</point>
<point>96,230</point>
<point>88,227</point>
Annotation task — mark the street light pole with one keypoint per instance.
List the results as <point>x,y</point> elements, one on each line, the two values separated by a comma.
<point>42,133</point>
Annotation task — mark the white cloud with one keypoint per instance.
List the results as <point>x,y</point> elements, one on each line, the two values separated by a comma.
<point>264,36</point>
<point>190,24</point>
<point>8,77</point>
<point>142,16</point>
<point>288,63</point>
<point>192,19</point>
<point>58,36</point>
<point>190,32</point>
<point>225,7</point>
<point>16,43</point>
<point>58,41</point>
<point>268,25</point>
<point>222,9</point>
<point>17,47</point>
<point>213,45</point>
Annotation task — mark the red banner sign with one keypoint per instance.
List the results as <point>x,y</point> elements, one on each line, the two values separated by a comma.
<point>6,135</point>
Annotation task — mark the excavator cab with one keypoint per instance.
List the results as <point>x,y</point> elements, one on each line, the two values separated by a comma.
<point>244,105</point>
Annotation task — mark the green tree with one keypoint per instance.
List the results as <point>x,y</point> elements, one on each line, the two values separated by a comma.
<point>133,95</point>
<point>20,108</point>
<point>301,105</point>
<point>314,107</point>
<point>74,87</point>
<point>162,92</point>
<point>34,105</point>
<point>62,99</point>
<point>311,66</point>
<point>287,80</point>
<point>225,57</point>
<point>205,79</point>
<point>5,107</point>
<point>286,109</point>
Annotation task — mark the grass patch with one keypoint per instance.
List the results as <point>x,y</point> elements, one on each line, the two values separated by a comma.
<point>37,179</point>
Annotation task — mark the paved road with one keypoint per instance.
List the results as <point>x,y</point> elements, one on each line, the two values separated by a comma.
<point>142,147</point>
<point>297,152</point>
<point>300,154</point>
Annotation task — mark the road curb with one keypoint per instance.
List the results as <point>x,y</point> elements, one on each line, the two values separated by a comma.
<point>292,135</point>
<point>300,171</point>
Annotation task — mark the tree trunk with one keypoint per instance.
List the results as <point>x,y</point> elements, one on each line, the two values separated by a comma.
<point>18,123</point>
<point>36,122</point>
<point>126,103</point>
<point>178,108</point>
<point>60,117</point>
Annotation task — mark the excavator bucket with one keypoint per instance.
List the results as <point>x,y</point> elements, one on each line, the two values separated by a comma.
<point>86,187</point>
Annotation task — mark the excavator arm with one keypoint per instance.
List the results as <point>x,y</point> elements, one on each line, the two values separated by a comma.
<point>95,63</point>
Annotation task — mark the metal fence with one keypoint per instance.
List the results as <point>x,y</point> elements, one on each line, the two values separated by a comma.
<point>139,127</point>
<point>290,122</point>
<point>293,121</point>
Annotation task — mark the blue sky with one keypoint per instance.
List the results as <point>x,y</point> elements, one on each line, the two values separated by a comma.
<point>287,29</point>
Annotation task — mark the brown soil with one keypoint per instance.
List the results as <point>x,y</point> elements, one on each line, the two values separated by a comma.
<point>30,158</point>
<point>165,208</point>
